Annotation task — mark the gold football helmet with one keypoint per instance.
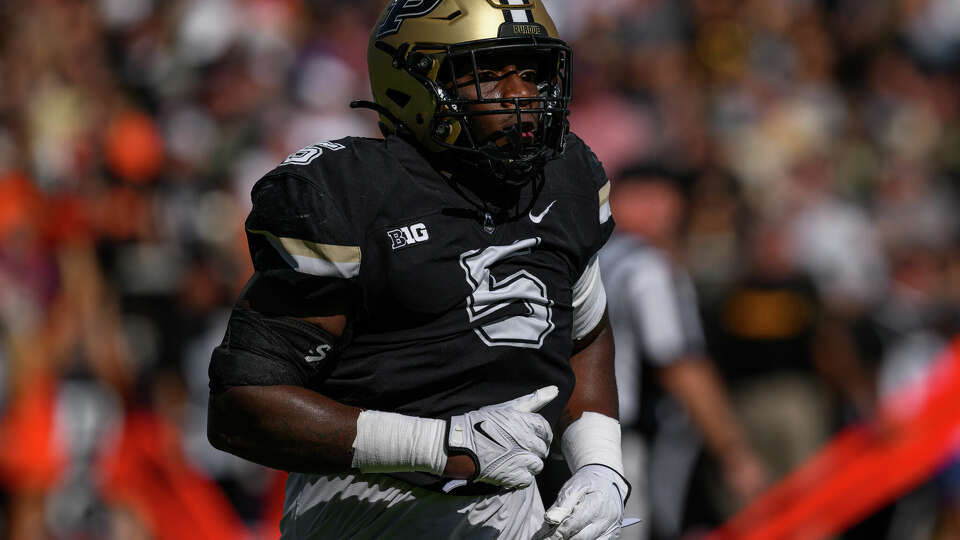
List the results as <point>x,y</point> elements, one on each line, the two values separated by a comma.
<point>418,50</point>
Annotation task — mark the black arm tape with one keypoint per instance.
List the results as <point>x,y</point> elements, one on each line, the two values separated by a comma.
<point>260,350</point>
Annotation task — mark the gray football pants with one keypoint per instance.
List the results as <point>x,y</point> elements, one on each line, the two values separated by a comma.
<point>374,506</point>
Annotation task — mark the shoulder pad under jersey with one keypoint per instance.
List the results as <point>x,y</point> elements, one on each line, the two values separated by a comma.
<point>312,210</point>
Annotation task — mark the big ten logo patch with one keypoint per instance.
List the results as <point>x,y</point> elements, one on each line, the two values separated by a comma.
<point>310,153</point>
<point>408,236</point>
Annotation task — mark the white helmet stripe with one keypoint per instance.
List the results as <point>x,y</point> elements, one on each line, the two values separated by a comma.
<point>516,15</point>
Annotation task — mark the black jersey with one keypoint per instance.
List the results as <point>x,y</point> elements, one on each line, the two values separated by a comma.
<point>451,307</point>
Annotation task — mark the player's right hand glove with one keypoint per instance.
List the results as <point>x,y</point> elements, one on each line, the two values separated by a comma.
<point>508,441</point>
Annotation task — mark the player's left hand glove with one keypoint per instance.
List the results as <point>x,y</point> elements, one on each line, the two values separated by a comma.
<point>590,503</point>
<point>589,506</point>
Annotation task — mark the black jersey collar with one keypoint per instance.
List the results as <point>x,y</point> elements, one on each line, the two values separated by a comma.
<point>459,193</point>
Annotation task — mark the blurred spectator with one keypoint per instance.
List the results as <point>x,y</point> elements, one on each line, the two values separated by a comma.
<point>781,352</point>
<point>787,357</point>
<point>832,240</point>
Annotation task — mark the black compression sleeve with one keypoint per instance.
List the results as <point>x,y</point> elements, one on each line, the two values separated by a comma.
<point>260,350</point>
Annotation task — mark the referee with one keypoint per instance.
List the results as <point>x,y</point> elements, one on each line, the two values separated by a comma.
<point>670,393</point>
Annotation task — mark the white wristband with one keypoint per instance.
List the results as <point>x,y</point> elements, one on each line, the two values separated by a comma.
<point>391,442</point>
<point>593,439</point>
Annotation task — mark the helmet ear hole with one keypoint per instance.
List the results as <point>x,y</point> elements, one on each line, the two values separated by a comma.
<point>420,63</point>
<point>398,97</point>
<point>446,131</point>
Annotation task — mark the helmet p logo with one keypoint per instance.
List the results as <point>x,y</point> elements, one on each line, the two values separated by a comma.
<point>404,9</point>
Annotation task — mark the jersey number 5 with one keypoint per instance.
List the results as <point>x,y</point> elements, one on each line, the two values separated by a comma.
<point>491,295</point>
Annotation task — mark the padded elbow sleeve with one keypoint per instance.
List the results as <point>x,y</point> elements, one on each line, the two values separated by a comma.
<point>260,350</point>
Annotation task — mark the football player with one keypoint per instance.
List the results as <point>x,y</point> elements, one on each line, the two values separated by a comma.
<point>426,313</point>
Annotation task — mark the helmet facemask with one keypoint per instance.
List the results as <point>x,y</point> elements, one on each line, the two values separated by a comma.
<point>531,129</point>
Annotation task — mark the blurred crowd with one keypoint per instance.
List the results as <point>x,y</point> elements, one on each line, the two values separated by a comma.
<point>818,142</point>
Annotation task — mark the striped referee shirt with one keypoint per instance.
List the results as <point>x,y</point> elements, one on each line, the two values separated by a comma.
<point>653,313</point>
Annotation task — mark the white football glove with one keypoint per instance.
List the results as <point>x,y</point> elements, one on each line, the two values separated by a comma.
<point>508,441</point>
<point>589,506</point>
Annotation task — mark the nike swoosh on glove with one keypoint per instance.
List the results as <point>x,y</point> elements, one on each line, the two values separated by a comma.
<point>589,506</point>
<point>508,441</point>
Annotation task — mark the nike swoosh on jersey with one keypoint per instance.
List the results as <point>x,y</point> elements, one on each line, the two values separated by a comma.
<point>479,428</point>
<point>537,218</point>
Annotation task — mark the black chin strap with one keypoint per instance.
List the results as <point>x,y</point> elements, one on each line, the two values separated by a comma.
<point>510,164</point>
<point>513,134</point>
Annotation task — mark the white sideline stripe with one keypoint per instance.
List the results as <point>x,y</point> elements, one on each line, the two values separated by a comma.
<point>322,268</point>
